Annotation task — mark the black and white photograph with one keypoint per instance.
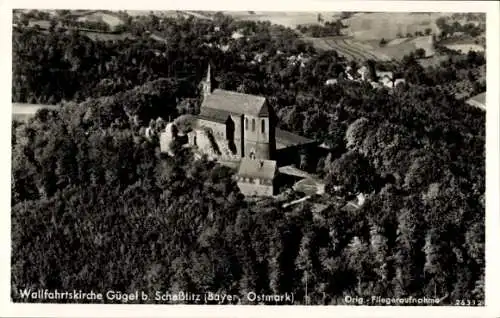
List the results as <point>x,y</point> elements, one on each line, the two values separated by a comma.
<point>219,157</point>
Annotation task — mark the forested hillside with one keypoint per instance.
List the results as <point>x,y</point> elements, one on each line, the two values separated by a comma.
<point>96,207</point>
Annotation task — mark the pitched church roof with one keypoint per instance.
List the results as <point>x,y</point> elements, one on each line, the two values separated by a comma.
<point>257,168</point>
<point>234,103</point>
<point>219,104</point>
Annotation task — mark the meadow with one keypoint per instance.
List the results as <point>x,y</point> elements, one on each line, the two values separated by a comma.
<point>287,19</point>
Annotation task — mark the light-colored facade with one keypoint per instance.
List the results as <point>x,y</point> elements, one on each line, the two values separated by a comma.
<point>242,123</point>
<point>257,177</point>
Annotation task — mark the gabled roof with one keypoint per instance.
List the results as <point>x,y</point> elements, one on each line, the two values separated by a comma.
<point>235,103</point>
<point>257,168</point>
<point>212,114</point>
<point>309,186</point>
<point>478,101</point>
<point>285,139</point>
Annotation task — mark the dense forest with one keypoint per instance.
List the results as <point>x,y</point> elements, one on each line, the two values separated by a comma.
<point>95,206</point>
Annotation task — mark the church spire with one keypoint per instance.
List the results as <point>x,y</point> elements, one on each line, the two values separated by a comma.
<point>207,84</point>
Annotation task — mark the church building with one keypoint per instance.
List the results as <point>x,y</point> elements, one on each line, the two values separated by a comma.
<point>243,125</point>
<point>240,130</point>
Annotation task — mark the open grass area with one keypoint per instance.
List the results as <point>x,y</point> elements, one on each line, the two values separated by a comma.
<point>97,36</point>
<point>434,61</point>
<point>465,48</point>
<point>387,25</point>
<point>109,19</point>
<point>410,45</point>
<point>354,49</point>
<point>287,19</point>
<point>23,112</point>
<point>167,13</point>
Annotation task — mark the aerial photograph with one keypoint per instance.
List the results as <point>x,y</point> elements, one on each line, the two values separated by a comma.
<point>248,157</point>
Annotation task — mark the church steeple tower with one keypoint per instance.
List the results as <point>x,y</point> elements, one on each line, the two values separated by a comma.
<point>207,84</point>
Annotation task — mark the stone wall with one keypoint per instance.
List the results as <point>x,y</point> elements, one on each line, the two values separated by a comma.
<point>218,129</point>
<point>252,189</point>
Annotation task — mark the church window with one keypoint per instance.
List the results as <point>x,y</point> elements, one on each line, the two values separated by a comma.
<point>246,123</point>
<point>253,124</point>
<point>263,124</point>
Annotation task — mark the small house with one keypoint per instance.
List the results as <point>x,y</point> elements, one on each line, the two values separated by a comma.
<point>256,177</point>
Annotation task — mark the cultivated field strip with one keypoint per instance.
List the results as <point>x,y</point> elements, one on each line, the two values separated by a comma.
<point>358,47</point>
<point>350,51</point>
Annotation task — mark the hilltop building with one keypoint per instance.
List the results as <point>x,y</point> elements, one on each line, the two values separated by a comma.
<point>239,130</point>
<point>257,177</point>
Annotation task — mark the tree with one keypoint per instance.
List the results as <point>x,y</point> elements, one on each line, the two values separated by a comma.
<point>380,250</point>
<point>420,53</point>
<point>358,261</point>
<point>356,132</point>
<point>353,173</point>
<point>433,270</point>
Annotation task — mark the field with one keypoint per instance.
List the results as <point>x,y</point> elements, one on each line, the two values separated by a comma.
<point>362,33</point>
<point>434,61</point>
<point>23,112</point>
<point>138,13</point>
<point>98,36</point>
<point>109,19</point>
<point>387,25</point>
<point>409,45</point>
<point>464,48</point>
<point>287,19</point>
<point>354,49</point>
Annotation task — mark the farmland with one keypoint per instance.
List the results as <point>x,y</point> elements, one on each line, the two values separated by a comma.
<point>164,14</point>
<point>389,25</point>
<point>362,33</point>
<point>465,47</point>
<point>109,19</point>
<point>287,19</point>
<point>354,49</point>
<point>101,36</point>
<point>23,112</point>
<point>351,49</point>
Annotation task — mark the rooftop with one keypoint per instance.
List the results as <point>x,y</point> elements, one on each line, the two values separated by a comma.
<point>285,139</point>
<point>309,186</point>
<point>478,101</point>
<point>257,168</point>
<point>222,102</point>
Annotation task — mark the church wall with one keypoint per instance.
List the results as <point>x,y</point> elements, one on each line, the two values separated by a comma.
<point>261,150</point>
<point>218,129</point>
<point>205,146</point>
<point>250,189</point>
<point>165,141</point>
<point>239,133</point>
<point>263,144</point>
<point>258,135</point>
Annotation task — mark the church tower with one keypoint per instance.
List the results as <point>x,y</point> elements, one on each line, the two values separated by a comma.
<point>207,84</point>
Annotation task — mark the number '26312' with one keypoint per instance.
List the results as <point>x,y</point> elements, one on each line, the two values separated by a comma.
<point>468,302</point>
